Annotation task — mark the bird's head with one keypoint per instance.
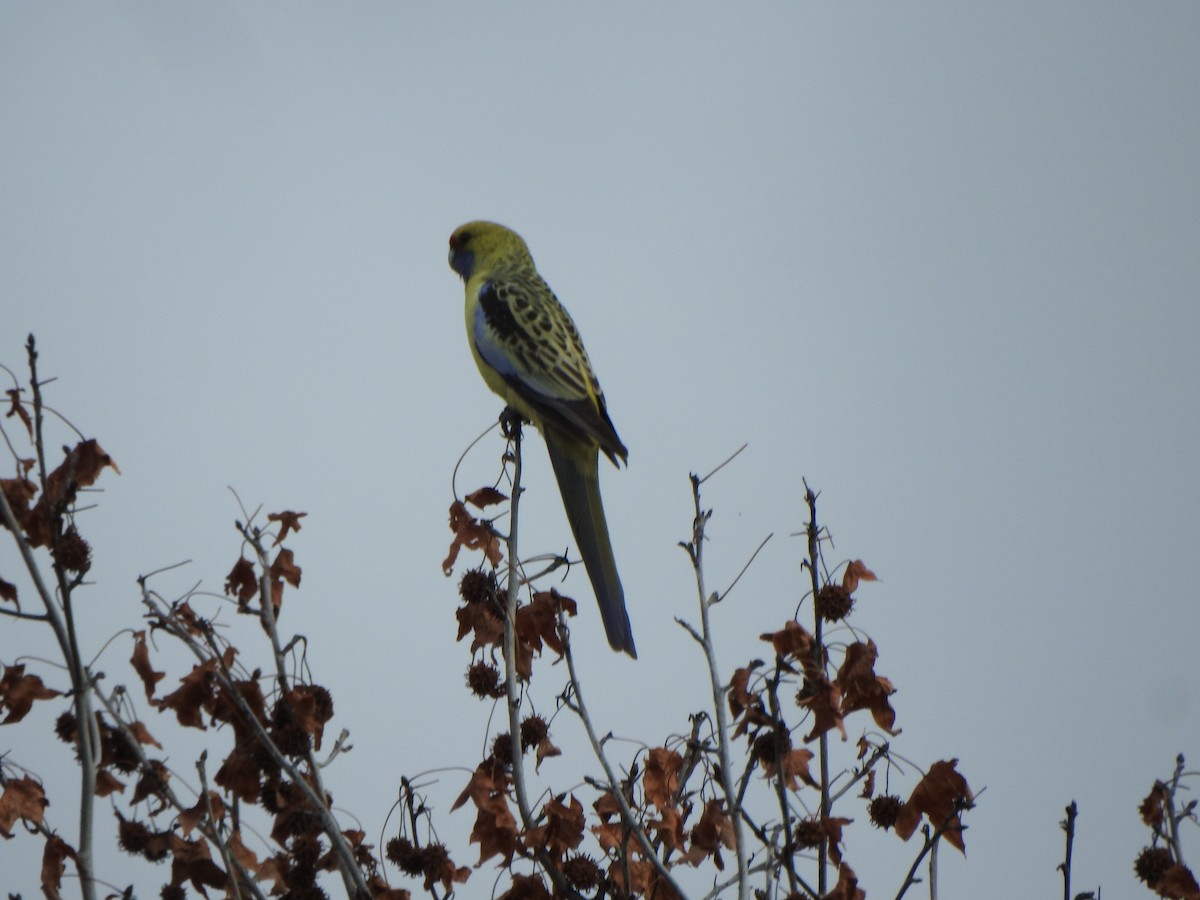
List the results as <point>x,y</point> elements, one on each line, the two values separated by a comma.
<point>485,244</point>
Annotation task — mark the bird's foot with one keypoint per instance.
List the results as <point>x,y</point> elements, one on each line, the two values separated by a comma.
<point>510,423</point>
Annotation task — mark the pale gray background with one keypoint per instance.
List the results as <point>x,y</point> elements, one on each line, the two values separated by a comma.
<point>942,260</point>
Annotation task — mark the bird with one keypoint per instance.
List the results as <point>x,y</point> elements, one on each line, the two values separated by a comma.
<point>529,352</point>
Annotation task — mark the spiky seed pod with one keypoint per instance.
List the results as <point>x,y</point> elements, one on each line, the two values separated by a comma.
<point>265,761</point>
<point>883,810</point>
<point>833,603</point>
<point>65,728</point>
<point>502,749</point>
<point>406,857</point>
<point>809,834</point>
<point>121,749</point>
<point>477,586</point>
<point>435,859</point>
<point>306,850</point>
<point>323,702</point>
<point>1152,863</point>
<point>582,873</point>
<point>269,797</point>
<point>72,552</point>
<point>133,837</point>
<point>484,681</point>
<point>287,733</point>
<point>770,745</point>
<point>533,731</point>
<point>299,822</point>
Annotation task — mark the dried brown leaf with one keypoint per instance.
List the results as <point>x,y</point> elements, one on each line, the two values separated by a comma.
<point>856,572</point>
<point>242,582</point>
<point>1178,883</point>
<point>1153,808</point>
<point>107,783</point>
<point>792,641</point>
<point>289,521</point>
<point>847,886</point>
<point>472,535</point>
<point>537,621</point>
<point>17,408</point>
<point>863,689</point>
<point>23,799</point>
<point>562,830</point>
<point>661,778</point>
<point>19,691</point>
<point>938,796</point>
<point>822,698</point>
<point>54,867</point>
<point>284,567</point>
<point>8,593</point>
<point>485,497</point>
<point>710,834</point>
<point>141,664</point>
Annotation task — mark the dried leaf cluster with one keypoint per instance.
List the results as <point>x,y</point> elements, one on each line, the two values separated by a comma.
<point>759,791</point>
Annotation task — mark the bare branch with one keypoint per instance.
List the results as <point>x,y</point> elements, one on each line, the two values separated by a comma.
<point>733,806</point>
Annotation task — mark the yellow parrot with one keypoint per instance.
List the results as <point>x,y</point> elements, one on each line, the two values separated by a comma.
<point>529,352</point>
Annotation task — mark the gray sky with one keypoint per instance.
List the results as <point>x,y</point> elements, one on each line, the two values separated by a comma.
<point>941,260</point>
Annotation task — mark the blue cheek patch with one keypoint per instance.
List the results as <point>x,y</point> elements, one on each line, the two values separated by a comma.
<point>462,262</point>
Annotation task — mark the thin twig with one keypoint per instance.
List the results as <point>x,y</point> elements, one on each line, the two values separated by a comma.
<point>512,596</point>
<point>738,577</point>
<point>627,817</point>
<point>17,614</point>
<point>212,820</point>
<point>513,585</point>
<point>339,746</point>
<point>1068,825</point>
<point>880,752</point>
<point>931,839</point>
<point>785,810</point>
<point>457,465</point>
<point>763,867</point>
<point>933,870</point>
<point>356,885</point>
<point>62,623</point>
<point>732,456</point>
<point>812,532</point>
<point>733,810</point>
<point>1172,818</point>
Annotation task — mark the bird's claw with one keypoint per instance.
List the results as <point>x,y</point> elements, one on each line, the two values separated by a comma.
<point>510,423</point>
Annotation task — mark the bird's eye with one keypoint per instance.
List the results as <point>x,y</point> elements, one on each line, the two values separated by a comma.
<point>458,240</point>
